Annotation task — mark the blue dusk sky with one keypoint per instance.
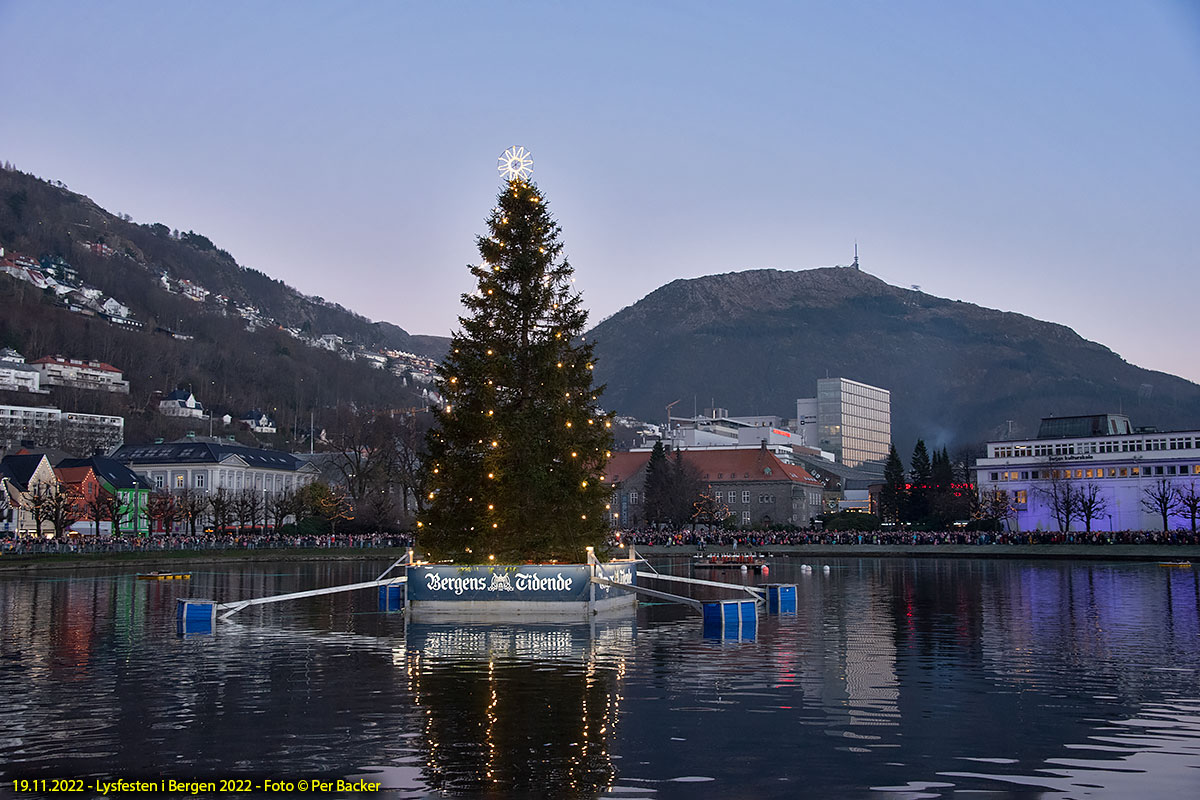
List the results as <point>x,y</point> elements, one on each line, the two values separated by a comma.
<point>1038,157</point>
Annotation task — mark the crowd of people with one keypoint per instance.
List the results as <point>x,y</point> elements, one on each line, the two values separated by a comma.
<point>760,539</point>
<point>699,539</point>
<point>201,541</point>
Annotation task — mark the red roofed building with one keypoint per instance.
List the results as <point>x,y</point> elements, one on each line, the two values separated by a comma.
<point>59,371</point>
<point>757,487</point>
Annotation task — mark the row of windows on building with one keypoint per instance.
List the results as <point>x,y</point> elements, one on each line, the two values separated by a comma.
<point>1152,470</point>
<point>230,479</point>
<point>720,497</point>
<point>1104,446</point>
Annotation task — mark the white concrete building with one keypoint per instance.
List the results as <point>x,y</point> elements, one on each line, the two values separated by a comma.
<point>47,426</point>
<point>207,466</point>
<point>1101,451</point>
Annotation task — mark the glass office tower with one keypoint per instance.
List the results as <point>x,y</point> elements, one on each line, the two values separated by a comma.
<point>854,422</point>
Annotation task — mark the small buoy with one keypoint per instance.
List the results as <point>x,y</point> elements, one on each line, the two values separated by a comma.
<point>745,568</point>
<point>766,570</point>
<point>826,569</point>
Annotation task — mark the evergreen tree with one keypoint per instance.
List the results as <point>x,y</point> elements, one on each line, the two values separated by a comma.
<point>921,476</point>
<point>892,495</point>
<point>685,489</point>
<point>942,472</point>
<point>658,486</point>
<point>516,459</point>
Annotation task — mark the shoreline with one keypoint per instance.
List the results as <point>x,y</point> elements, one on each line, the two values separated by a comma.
<point>18,563</point>
<point>1115,552</point>
<point>1089,552</point>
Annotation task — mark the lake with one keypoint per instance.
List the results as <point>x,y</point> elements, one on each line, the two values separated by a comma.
<point>896,678</point>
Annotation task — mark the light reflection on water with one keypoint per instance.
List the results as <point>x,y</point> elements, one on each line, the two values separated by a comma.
<point>896,678</point>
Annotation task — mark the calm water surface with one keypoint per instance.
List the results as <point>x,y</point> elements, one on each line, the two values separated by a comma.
<point>896,679</point>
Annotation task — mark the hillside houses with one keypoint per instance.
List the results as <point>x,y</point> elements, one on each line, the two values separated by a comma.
<point>54,274</point>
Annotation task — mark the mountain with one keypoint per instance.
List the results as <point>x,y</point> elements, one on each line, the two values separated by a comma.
<point>959,374</point>
<point>172,309</point>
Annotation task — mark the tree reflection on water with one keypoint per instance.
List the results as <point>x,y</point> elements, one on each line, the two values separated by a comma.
<point>517,708</point>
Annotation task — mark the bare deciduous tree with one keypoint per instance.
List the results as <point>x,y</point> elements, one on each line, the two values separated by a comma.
<point>220,505</point>
<point>280,506</point>
<point>1062,499</point>
<point>1189,501</point>
<point>193,505</point>
<point>1162,498</point>
<point>1092,504</point>
<point>248,506</point>
<point>162,508</point>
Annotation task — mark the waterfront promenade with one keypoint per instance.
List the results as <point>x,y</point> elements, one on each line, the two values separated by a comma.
<point>1122,545</point>
<point>1107,545</point>
<point>1115,552</point>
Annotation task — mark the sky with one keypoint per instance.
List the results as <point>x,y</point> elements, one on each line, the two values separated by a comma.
<point>1035,157</point>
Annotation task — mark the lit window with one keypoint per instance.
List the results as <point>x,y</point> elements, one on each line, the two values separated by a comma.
<point>180,481</point>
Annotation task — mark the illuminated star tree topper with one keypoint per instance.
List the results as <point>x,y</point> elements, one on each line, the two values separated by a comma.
<point>516,164</point>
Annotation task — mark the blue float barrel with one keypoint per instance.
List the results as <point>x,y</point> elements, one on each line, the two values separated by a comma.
<point>730,619</point>
<point>194,616</point>
<point>391,597</point>
<point>781,598</point>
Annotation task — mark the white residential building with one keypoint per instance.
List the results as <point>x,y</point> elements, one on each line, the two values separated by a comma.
<point>114,308</point>
<point>258,422</point>
<point>47,426</point>
<point>181,403</point>
<point>95,375</point>
<point>16,375</point>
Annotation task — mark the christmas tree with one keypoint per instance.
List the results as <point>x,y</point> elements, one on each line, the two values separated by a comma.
<point>516,461</point>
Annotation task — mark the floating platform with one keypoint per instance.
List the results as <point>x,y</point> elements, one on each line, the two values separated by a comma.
<point>730,561</point>
<point>164,576</point>
<point>1180,564</point>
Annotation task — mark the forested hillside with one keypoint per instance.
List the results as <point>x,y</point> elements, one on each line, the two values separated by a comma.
<point>195,318</point>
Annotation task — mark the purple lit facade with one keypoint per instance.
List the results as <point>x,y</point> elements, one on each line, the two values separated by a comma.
<point>1102,450</point>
